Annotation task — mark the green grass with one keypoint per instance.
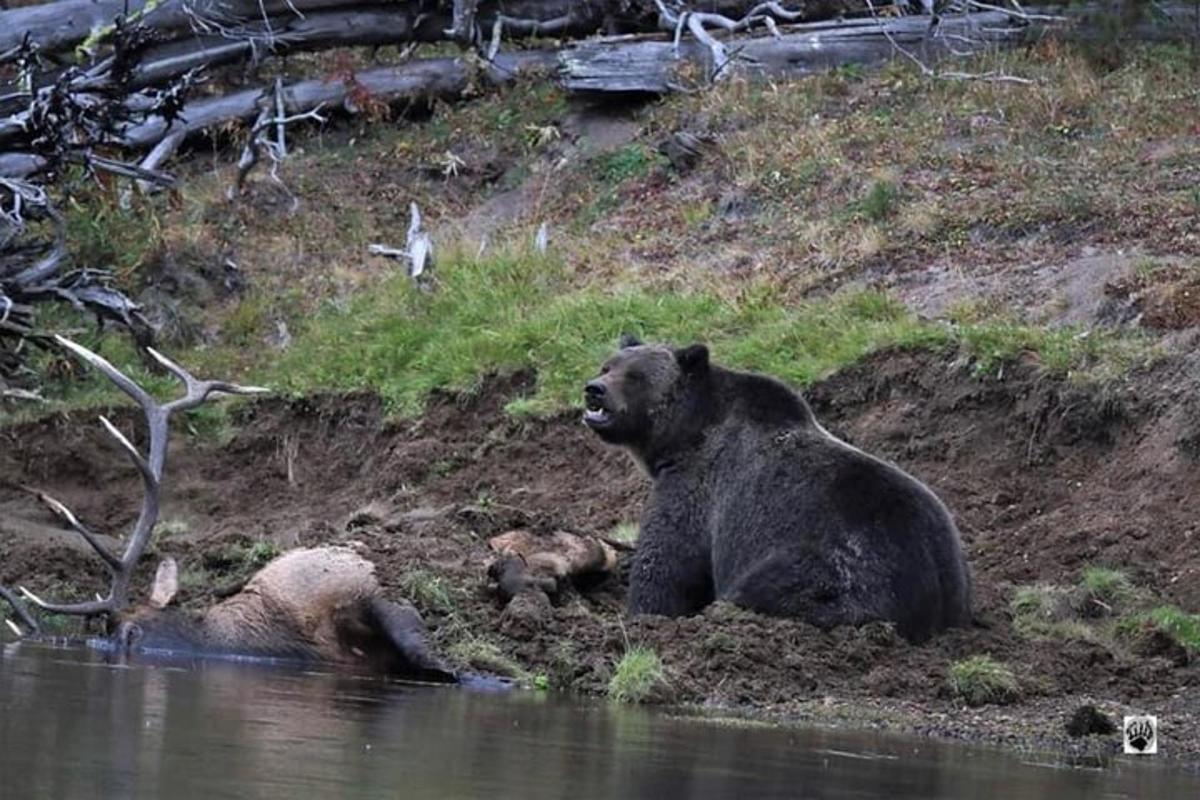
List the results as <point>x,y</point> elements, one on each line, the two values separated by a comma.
<point>625,532</point>
<point>167,528</point>
<point>980,680</point>
<point>259,554</point>
<point>103,235</point>
<point>427,591</point>
<point>880,201</point>
<point>1110,587</point>
<point>1181,626</point>
<point>638,675</point>
<point>625,163</point>
<point>487,657</point>
<point>1046,611</point>
<point>516,310</point>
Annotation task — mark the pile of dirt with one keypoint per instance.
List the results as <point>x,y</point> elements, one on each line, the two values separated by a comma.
<point>1044,478</point>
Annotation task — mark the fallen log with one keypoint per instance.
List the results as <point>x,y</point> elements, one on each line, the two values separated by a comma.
<point>65,24</point>
<point>646,64</point>
<point>61,25</point>
<point>437,77</point>
<point>657,65</point>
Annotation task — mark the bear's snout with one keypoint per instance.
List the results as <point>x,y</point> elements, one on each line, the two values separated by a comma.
<point>597,413</point>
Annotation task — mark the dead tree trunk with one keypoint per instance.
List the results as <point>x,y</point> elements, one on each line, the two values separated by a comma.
<point>65,24</point>
<point>657,65</point>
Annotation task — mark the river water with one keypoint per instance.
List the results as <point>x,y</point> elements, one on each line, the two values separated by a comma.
<point>72,726</point>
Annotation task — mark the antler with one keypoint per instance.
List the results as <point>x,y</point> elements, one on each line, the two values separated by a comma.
<point>151,468</point>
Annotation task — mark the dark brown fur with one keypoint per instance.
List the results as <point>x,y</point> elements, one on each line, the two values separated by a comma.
<point>755,503</point>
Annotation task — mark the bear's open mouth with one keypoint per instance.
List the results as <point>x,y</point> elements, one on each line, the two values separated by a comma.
<point>595,414</point>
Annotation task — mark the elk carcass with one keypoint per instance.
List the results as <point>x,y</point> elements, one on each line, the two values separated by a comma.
<point>316,605</point>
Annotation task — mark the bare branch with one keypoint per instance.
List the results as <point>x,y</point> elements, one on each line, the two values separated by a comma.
<point>258,143</point>
<point>21,394</point>
<point>1019,13</point>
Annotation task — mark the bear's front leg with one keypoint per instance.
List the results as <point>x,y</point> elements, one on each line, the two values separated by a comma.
<point>672,568</point>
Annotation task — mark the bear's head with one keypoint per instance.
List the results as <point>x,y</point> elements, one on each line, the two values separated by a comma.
<point>647,396</point>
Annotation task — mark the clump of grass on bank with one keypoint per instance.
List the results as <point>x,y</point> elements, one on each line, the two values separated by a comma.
<point>1082,612</point>
<point>485,656</point>
<point>980,680</point>
<point>1177,624</point>
<point>1105,607</point>
<point>168,528</point>
<point>1109,589</point>
<point>638,677</point>
<point>1045,611</point>
<point>625,532</point>
<point>427,591</point>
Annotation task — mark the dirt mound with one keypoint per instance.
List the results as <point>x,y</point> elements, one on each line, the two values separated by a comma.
<point>1044,478</point>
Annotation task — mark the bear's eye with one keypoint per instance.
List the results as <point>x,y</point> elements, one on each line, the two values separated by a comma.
<point>605,369</point>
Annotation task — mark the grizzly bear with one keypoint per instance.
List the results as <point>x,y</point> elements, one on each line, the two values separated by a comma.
<point>754,503</point>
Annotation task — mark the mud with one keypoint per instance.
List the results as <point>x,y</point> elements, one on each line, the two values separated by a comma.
<point>1043,477</point>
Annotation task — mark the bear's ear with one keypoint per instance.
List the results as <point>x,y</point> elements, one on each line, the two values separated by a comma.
<point>628,340</point>
<point>692,359</point>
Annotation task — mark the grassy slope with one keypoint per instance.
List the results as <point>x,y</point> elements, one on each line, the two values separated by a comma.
<point>842,173</point>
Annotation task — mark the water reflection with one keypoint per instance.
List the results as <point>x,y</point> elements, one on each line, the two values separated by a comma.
<point>72,726</point>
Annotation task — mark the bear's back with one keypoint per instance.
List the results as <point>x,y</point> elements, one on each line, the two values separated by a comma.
<point>799,511</point>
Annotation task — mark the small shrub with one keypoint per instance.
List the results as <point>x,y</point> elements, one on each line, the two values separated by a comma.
<point>194,580</point>
<point>880,202</point>
<point>980,680</point>
<point>259,554</point>
<point>625,163</point>
<point>638,676</point>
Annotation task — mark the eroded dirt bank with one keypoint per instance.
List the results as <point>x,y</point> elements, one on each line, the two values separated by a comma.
<point>1043,478</point>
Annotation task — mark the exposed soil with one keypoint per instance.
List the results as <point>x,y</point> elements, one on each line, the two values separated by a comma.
<point>1043,478</point>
